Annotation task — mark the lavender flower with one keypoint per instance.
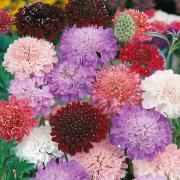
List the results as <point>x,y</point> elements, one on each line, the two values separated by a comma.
<point>69,81</point>
<point>90,46</point>
<point>36,91</point>
<point>62,170</point>
<point>142,132</point>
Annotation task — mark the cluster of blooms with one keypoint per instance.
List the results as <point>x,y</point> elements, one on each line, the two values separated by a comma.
<point>75,113</point>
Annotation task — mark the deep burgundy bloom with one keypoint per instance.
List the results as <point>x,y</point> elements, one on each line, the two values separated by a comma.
<point>40,20</point>
<point>76,126</point>
<point>144,58</point>
<point>87,12</point>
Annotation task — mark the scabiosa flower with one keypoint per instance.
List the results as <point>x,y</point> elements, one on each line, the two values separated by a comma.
<point>151,178</point>
<point>115,87</point>
<point>90,46</point>
<point>130,25</point>
<point>162,92</point>
<point>38,148</point>
<point>76,126</point>
<point>87,12</point>
<point>39,20</point>
<point>144,58</point>
<point>104,161</point>
<point>69,81</point>
<point>54,170</point>
<point>166,163</point>
<point>29,56</point>
<point>5,21</point>
<point>36,90</point>
<point>16,118</point>
<point>142,132</point>
<point>143,4</point>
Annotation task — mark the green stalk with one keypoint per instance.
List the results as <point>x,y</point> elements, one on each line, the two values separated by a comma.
<point>66,158</point>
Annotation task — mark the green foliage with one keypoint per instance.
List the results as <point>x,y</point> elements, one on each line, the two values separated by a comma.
<point>11,167</point>
<point>176,131</point>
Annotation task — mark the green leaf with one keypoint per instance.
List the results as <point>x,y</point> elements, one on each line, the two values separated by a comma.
<point>176,131</point>
<point>156,34</point>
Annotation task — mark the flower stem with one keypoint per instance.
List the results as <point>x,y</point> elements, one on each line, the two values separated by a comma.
<point>65,155</point>
<point>168,60</point>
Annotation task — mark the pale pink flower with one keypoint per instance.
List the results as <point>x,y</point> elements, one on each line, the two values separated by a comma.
<point>115,87</point>
<point>103,162</point>
<point>166,163</point>
<point>30,56</point>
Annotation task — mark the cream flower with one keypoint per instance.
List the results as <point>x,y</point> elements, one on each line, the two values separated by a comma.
<point>162,92</point>
<point>38,147</point>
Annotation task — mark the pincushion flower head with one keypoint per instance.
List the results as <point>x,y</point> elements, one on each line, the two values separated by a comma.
<point>144,133</point>
<point>162,92</point>
<point>90,46</point>
<point>166,163</point>
<point>39,20</point>
<point>115,87</point>
<point>36,90</point>
<point>29,56</point>
<point>76,126</point>
<point>87,12</point>
<point>144,58</point>
<point>59,169</point>
<point>16,119</point>
<point>5,21</point>
<point>104,161</point>
<point>69,81</point>
<point>38,148</point>
<point>130,25</point>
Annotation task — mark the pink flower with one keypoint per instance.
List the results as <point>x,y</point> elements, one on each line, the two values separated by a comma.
<point>104,161</point>
<point>115,87</point>
<point>30,56</point>
<point>166,163</point>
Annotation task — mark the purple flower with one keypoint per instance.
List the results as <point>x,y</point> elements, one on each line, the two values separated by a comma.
<point>90,46</point>
<point>36,91</point>
<point>62,170</point>
<point>142,132</point>
<point>69,81</point>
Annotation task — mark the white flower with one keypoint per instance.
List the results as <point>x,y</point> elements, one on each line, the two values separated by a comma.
<point>164,17</point>
<point>38,148</point>
<point>162,92</point>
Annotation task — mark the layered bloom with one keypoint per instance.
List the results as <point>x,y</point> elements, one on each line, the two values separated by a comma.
<point>5,21</point>
<point>90,46</point>
<point>87,12</point>
<point>162,92</point>
<point>38,148</point>
<point>36,91</point>
<point>115,87</point>
<point>16,119</point>
<point>104,161</point>
<point>62,170</point>
<point>130,25</point>
<point>166,164</point>
<point>144,133</point>
<point>69,81</point>
<point>76,126</point>
<point>151,178</point>
<point>29,56</point>
<point>40,20</point>
<point>144,58</point>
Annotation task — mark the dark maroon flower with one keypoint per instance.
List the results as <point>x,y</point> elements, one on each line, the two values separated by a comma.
<point>87,12</point>
<point>76,126</point>
<point>40,20</point>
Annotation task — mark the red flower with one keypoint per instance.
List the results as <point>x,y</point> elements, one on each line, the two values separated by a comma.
<point>87,12</point>
<point>144,58</point>
<point>5,22</point>
<point>76,126</point>
<point>16,117</point>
